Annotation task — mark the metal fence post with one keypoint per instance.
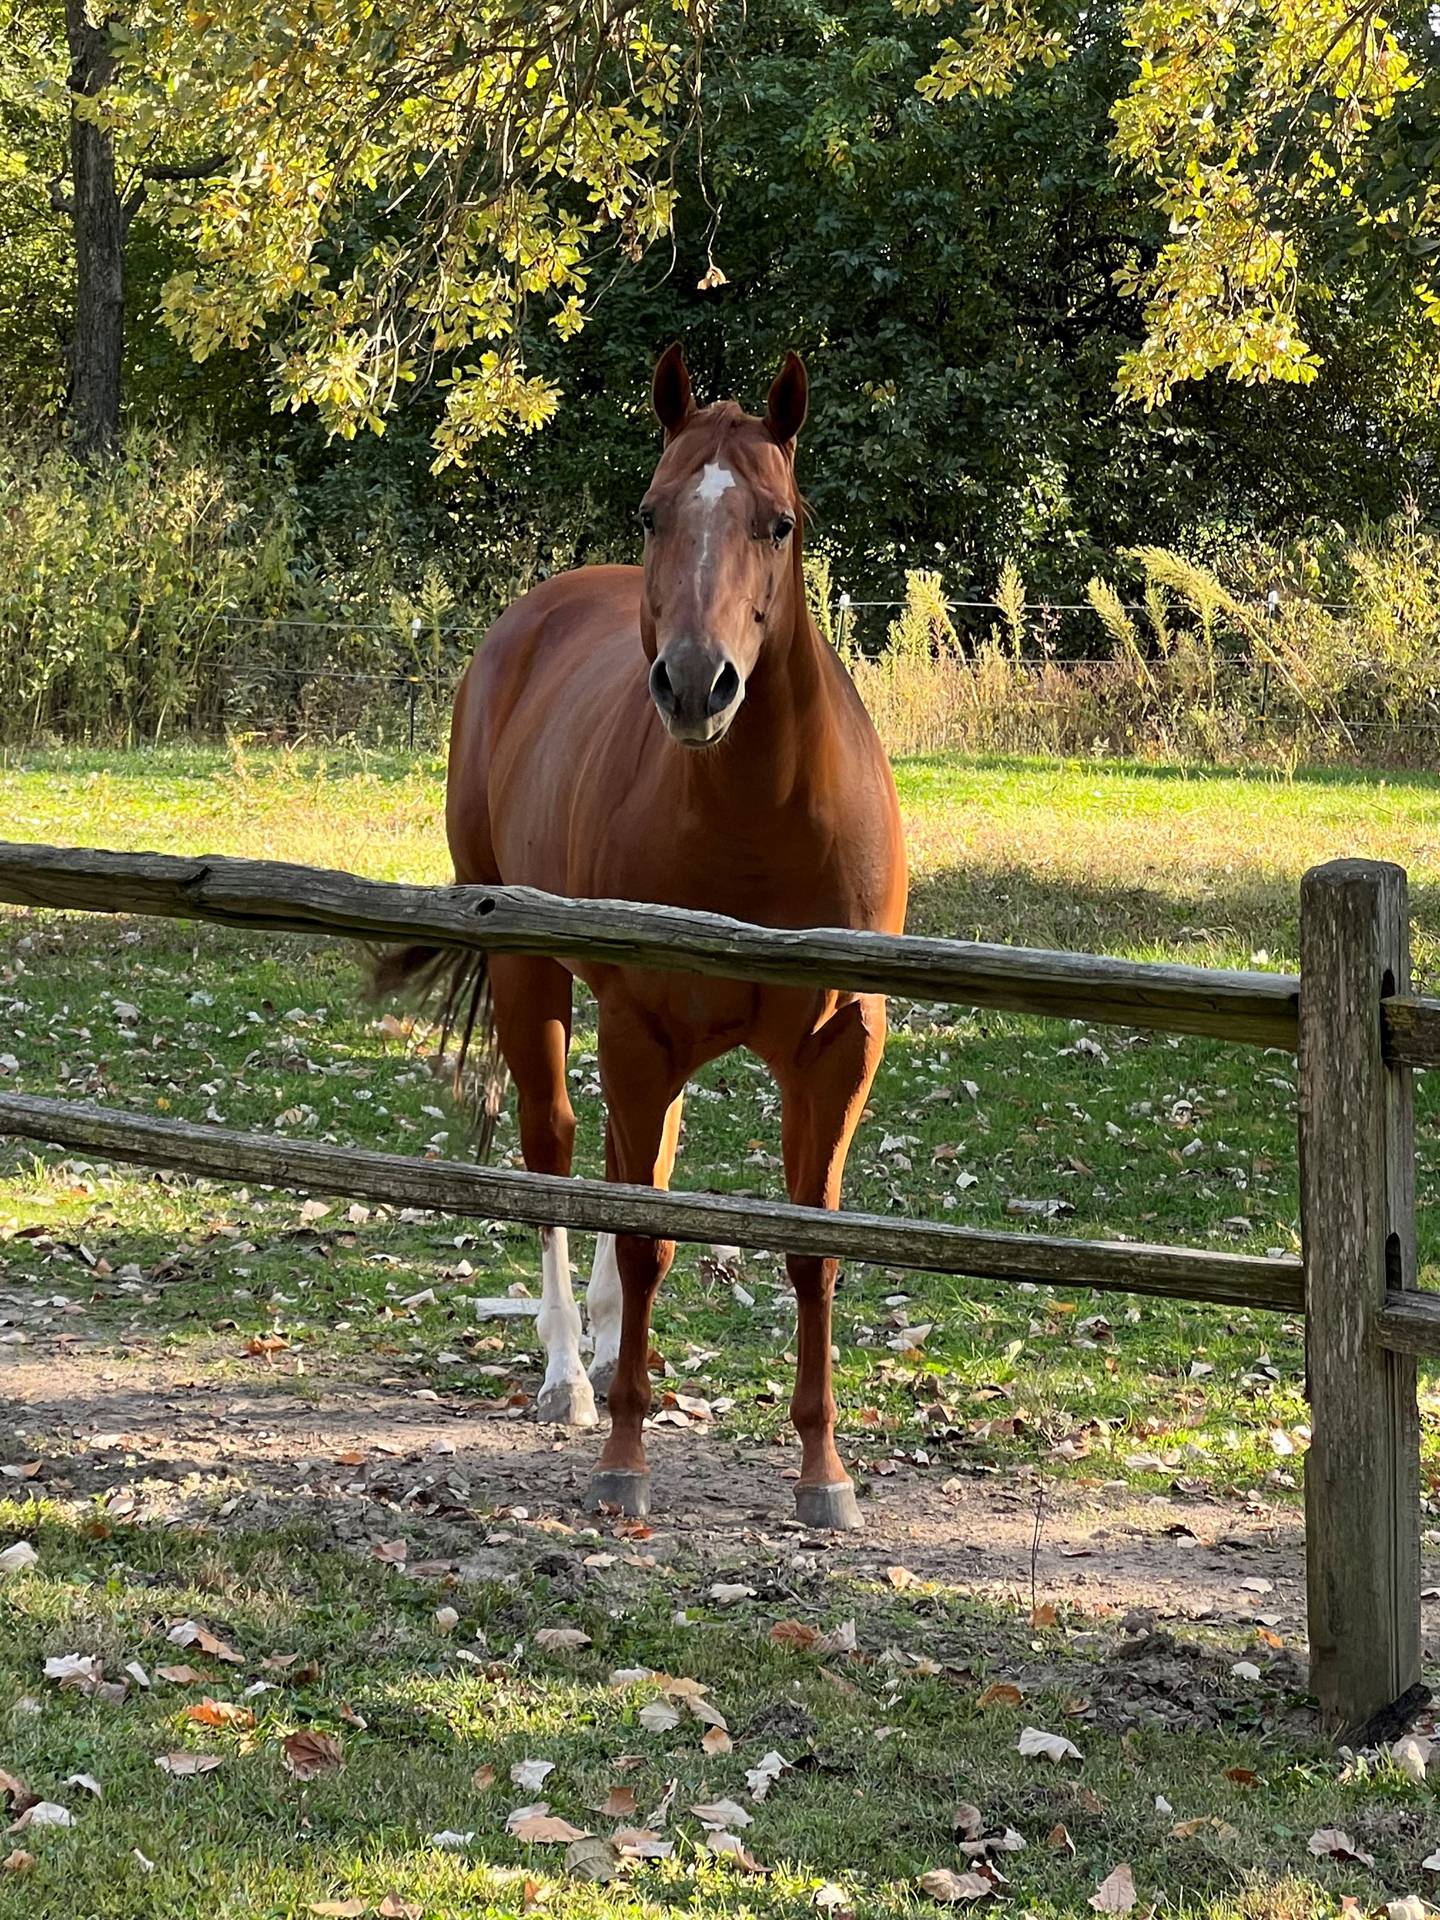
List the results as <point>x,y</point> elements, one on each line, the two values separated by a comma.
<point>1357,1207</point>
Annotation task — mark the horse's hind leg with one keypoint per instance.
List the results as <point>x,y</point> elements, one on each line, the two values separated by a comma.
<point>604,1310</point>
<point>823,1091</point>
<point>532,1001</point>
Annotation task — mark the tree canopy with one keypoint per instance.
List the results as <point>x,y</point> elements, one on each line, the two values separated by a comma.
<point>1068,277</point>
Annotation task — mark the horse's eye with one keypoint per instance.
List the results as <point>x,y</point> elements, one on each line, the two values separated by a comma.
<point>647,519</point>
<point>784,527</point>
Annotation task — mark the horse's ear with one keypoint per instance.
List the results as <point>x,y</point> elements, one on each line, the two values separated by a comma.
<point>789,397</point>
<point>674,402</point>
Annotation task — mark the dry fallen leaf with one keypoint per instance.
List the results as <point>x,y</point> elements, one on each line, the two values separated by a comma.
<point>73,1669</point>
<point>729,1846</point>
<point>659,1717</point>
<point>392,1907</point>
<point>220,1713</point>
<point>643,1842</point>
<point>839,1639</point>
<point>339,1909</point>
<point>759,1779</point>
<point>796,1634</point>
<point>17,1861</point>
<point>1411,1755</point>
<point>309,1754</point>
<point>619,1803</point>
<point>721,1813</point>
<point>529,1775</point>
<point>483,1778</point>
<point>561,1639</point>
<point>1003,1693</point>
<point>181,1676</point>
<point>42,1813</point>
<point>593,1858</point>
<point>17,1557</point>
<point>1058,1839</point>
<point>1329,1843</point>
<point>1116,1892</point>
<point>941,1884</point>
<point>717,1740</point>
<point>188,1633</point>
<point>726,1593</point>
<point>1035,1743</point>
<point>182,1765</point>
<point>542,1828</point>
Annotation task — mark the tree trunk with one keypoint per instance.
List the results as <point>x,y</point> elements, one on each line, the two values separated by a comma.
<point>99,221</point>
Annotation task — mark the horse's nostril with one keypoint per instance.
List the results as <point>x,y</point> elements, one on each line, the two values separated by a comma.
<point>723,691</point>
<point>661,691</point>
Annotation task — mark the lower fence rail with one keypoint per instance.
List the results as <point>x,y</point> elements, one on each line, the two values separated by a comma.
<point>497,1193</point>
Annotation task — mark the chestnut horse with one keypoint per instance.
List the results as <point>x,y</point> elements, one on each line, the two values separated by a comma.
<point>678,733</point>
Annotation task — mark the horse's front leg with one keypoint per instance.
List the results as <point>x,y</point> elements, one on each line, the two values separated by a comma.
<point>823,1091</point>
<point>642,1080</point>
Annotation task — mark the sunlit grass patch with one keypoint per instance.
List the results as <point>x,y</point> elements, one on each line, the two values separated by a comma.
<point>882,1744</point>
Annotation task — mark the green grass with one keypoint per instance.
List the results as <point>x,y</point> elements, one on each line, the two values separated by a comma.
<point>1174,1140</point>
<point>882,1751</point>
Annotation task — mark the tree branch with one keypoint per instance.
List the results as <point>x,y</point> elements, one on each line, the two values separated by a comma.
<point>185,170</point>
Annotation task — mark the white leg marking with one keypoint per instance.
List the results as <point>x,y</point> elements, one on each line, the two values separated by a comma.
<point>566,1395</point>
<point>603,1306</point>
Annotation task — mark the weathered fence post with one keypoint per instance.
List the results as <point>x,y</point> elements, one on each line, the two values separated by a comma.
<point>1357,1206</point>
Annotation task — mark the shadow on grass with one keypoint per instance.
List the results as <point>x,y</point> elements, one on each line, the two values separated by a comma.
<point>1223,914</point>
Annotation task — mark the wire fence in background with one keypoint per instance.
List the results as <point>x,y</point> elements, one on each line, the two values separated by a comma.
<point>371,681</point>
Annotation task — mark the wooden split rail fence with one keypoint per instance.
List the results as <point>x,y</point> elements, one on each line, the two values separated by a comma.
<point>1357,1029</point>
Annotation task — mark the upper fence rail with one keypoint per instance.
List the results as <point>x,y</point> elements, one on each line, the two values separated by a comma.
<point>1238,1005</point>
<point>1259,1009</point>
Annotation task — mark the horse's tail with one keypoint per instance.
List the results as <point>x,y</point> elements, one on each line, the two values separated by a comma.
<point>454,988</point>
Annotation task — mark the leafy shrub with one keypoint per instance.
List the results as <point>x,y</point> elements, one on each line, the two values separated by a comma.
<point>172,590</point>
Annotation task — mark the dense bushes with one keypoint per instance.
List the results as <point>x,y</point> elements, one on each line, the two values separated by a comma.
<point>176,591</point>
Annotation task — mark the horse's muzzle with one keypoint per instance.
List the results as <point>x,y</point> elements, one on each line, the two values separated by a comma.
<point>696,691</point>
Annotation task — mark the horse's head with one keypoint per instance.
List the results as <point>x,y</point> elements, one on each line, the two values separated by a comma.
<point>721,559</point>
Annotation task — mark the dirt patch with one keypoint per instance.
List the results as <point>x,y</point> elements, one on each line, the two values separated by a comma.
<point>162,1429</point>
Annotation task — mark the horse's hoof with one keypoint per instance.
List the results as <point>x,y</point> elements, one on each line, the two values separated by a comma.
<point>601,1374</point>
<point>568,1403</point>
<point>619,1487</point>
<point>834,1508</point>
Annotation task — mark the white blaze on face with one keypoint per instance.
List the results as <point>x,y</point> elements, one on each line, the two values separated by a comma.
<point>714,483</point>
